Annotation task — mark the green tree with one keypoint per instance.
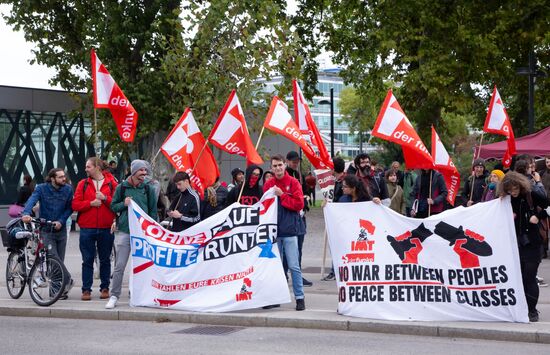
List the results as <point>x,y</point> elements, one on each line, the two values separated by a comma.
<point>446,55</point>
<point>164,54</point>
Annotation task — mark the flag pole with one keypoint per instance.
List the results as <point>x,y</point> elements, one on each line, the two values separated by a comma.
<point>199,156</point>
<point>430,193</point>
<point>473,173</point>
<point>155,157</point>
<point>324,254</point>
<point>96,144</point>
<point>257,144</point>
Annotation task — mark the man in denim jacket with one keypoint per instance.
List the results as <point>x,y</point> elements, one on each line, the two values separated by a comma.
<point>55,198</point>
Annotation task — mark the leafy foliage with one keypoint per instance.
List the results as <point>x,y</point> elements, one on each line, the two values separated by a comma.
<point>165,54</point>
<point>446,55</point>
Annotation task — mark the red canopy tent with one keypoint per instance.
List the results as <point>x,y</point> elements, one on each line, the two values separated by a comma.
<point>536,144</point>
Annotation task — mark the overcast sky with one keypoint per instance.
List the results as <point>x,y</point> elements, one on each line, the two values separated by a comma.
<point>14,61</point>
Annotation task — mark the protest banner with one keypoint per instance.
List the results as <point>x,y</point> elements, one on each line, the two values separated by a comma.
<point>325,180</point>
<point>459,265</point>
<point>227,262</point>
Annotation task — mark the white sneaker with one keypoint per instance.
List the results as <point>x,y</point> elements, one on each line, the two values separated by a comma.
<point>112,302</point>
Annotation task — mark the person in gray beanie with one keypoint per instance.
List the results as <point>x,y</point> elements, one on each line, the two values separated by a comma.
<point>134,188</point>
<point>476,183</point>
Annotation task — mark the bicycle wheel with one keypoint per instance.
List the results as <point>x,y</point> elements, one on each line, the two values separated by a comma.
<point>15,274</point>
<point>47,281</point>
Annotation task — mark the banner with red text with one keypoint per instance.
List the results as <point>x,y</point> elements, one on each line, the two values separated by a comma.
<point>230,133</point>
<point>107,94</point>
<point>393,125</point>
<point>459,265</point>
<point>184,149</point>
<point>444,164</point>
<point>227,262</point>
<point>326,180</point>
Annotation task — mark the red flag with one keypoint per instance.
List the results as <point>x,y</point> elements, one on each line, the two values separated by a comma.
<point>230,133</point>
<point>444,164</point>
<point>498,122</point>
<point>307,125</point>
<point>107,94</point>
<point>280,121</point>
<point>182,148</point>
<point>393,125</point>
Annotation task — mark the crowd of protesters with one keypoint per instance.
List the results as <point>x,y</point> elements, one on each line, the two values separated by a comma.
<point>101,202</point>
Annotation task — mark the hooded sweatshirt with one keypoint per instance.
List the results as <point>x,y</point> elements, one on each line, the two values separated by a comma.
<point>252,191</point>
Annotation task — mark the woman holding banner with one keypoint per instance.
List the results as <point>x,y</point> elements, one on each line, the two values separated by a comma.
<point>354,191</point>
<point>525,201</point>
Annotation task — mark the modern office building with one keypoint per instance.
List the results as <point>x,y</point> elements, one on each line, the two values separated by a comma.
<point>345,144</point>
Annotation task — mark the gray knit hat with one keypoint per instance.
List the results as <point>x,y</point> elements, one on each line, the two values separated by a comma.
<point>140,164</point>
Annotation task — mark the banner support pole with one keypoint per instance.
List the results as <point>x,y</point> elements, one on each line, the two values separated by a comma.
<point>324,253</point>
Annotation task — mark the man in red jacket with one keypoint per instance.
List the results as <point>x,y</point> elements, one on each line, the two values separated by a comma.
<point>289,223</point>
<point>92,201</point>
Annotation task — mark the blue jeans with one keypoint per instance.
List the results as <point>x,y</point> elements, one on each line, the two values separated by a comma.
<point>55,242</point>
<point>288,246</point>
<point>92,239</point>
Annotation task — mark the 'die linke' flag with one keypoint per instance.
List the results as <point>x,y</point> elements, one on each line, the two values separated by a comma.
<point>107,94</point>
<point>230,133</point>
<point>227,262</point>
<point>393,125</point>
<point>459,265</point>
<point>307,125</point>
<point>444,164</point>
<point>182,148</point>
<point>498,122</point>
<point>278,120</point>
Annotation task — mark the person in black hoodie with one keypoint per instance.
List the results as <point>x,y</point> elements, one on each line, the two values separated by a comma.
<point>252,191</point>
<point>184,210</point>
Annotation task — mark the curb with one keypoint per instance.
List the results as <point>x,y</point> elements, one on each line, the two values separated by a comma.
<point>278,320</point>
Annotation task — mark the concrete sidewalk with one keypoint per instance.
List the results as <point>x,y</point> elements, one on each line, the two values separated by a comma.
<point>321,304</point>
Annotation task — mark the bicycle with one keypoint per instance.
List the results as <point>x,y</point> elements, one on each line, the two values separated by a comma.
<point>30,264</point>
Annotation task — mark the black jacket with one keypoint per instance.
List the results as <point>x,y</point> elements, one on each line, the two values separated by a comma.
<point>188,204</point>
<point>421,191</point>
<point>250,195</point>
<point>527,234</point>
<point>207,209</point>
<point>480,184</point>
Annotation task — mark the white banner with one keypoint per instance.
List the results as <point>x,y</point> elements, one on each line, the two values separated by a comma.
<point>326,180</point>
<point>462,264</point>
<point>227,262</point>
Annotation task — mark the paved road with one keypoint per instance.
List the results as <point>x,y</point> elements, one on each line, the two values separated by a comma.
<point>68,336</point>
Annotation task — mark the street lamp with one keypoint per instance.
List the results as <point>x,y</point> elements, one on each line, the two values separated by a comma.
<point>533,73</point>
<point>331,103</point>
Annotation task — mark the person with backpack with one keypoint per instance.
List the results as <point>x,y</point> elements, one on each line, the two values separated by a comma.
<point>134,189</point>
<point>92,200</point>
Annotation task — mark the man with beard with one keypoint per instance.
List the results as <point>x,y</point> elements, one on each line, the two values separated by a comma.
<point>252,191</point>
<point>374,182</point>
<point>131,189</point>
<point>55,197</point>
